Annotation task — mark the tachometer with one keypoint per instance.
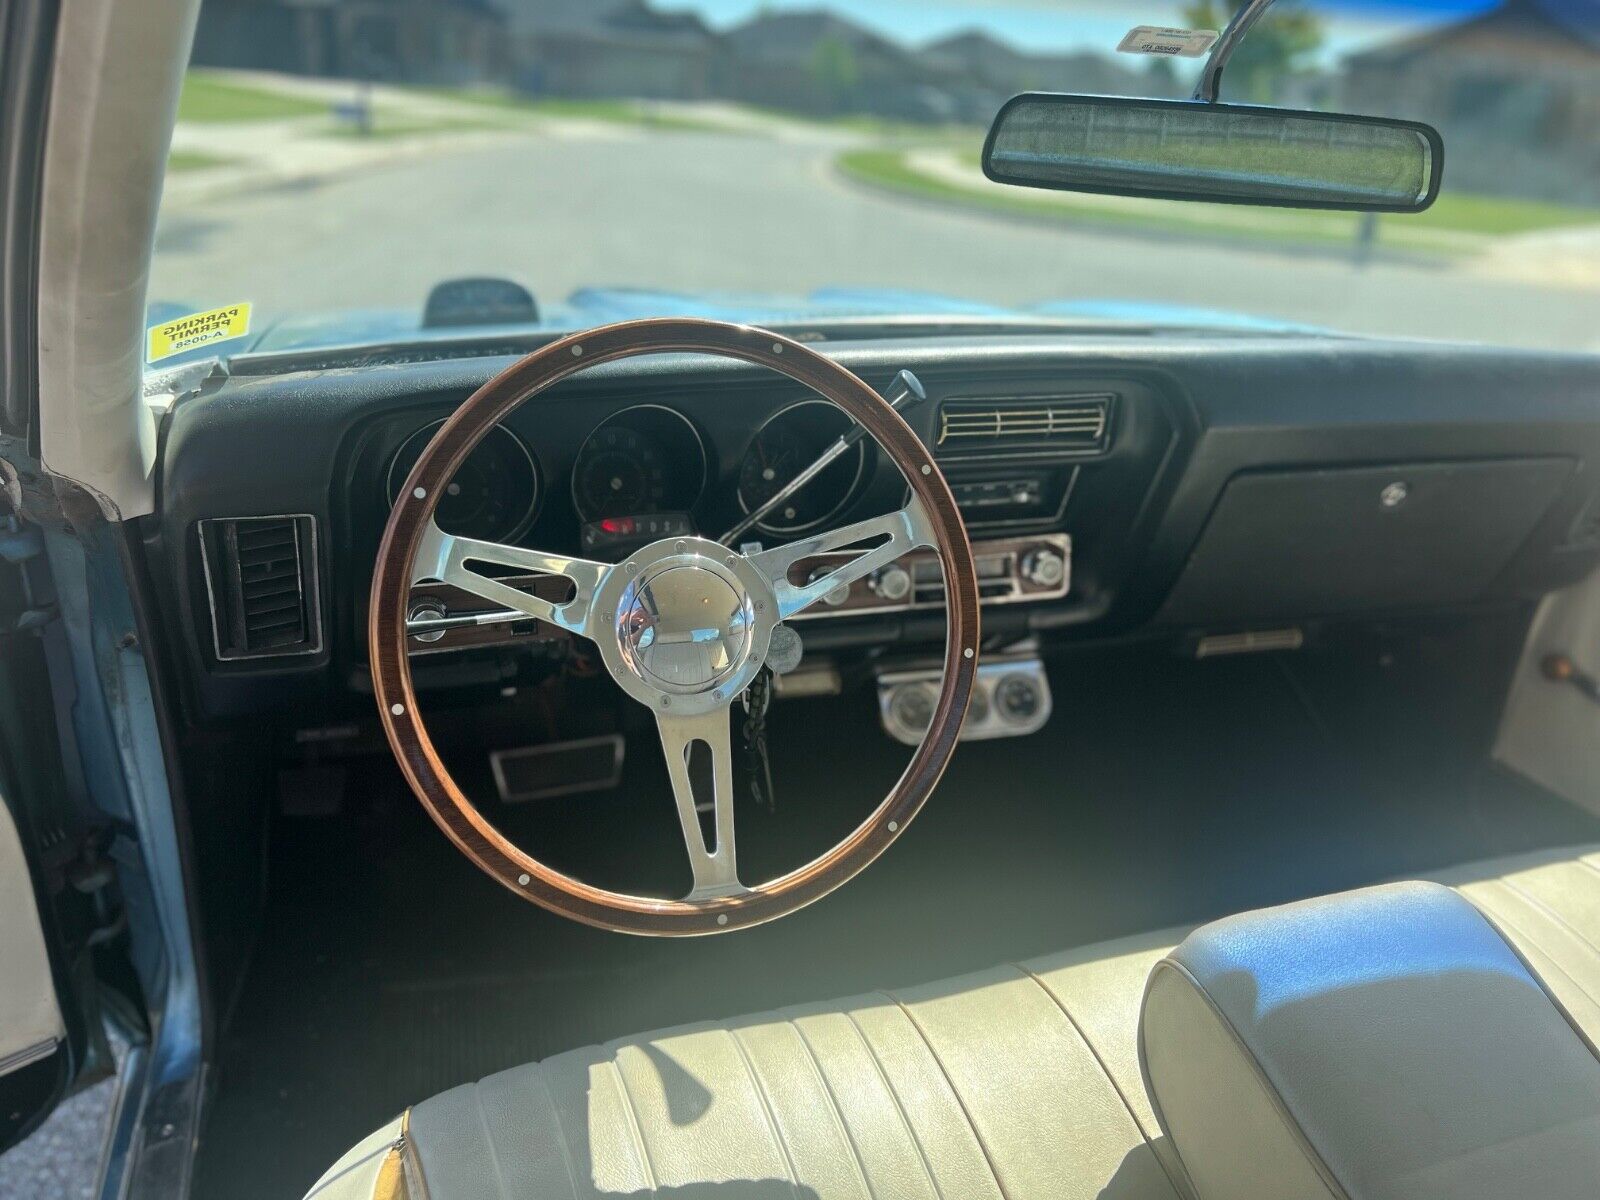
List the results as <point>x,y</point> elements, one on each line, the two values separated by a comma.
<point>787,444</point>
<point>493,496</point>
<point>645,459</point>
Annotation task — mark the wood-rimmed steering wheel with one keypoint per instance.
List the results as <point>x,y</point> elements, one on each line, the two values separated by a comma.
<point>683,627</point>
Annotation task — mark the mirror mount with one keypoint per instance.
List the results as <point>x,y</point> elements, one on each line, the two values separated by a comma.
<point>1209,87</point>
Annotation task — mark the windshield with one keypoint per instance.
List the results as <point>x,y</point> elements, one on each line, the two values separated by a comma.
<point>781,161</point>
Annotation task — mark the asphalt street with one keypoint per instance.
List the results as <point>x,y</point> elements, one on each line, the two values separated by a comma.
<point>721,211</point>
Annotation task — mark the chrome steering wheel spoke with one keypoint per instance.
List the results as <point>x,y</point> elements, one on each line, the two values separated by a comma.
<point>444,557</point>
<point>906,529</point>
<point>714,867</point>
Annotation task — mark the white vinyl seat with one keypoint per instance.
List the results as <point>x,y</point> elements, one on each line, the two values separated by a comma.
<point>1016,1082</point>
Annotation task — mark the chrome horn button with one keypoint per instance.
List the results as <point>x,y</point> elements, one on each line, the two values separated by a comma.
<point>683,627</point>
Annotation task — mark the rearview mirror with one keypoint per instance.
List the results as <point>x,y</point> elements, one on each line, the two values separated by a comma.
<point>1223,153</point>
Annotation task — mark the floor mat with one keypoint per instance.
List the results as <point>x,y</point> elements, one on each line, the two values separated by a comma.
<point>1162,791</point>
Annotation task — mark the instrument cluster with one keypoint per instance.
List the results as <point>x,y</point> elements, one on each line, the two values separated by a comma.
<point>644,472</point>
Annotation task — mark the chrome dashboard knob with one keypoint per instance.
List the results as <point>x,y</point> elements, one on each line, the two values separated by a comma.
<point>891,583</point>
<point>1044,568</point>
<point>838,595</point>
<point>427,610</point>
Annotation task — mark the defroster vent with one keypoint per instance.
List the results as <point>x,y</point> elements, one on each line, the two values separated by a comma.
<point>261,579</point>
<point>1032,427</point>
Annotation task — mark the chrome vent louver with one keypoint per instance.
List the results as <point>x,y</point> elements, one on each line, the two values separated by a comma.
<point>261,580</point>
<point>1044,426</point>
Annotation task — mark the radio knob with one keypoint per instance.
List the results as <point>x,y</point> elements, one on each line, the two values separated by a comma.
<point>1044,567</point>
<point>835,596</point>
<point>891,583</point>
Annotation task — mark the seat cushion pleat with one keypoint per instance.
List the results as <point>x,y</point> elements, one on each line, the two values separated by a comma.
<point>1048,1116</point>
<point>601,1131</point>
<point>1565,963</point>
<point>955,1157</point>
<point>822,1157</point>
<point>1093,985</point>
<point>697,1111</point>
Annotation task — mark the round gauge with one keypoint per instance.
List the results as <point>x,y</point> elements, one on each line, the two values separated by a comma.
<point>641,460</point>
<point>1018,698</point>
<point>786,445</point>
<point>621,472</point>
<point>493,496</point>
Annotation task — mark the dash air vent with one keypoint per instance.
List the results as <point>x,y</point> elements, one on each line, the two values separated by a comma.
<point>261,580</point>
<point>1031,427</point>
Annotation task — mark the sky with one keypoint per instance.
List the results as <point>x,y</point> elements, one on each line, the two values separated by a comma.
<point>1052,25</point>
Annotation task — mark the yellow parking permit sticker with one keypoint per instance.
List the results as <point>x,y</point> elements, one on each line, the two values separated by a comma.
<point>198,329</point>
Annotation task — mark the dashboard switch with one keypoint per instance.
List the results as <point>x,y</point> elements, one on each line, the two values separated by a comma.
<point>835,597</point>
<point>1044,568</point>
<point>892,583</point>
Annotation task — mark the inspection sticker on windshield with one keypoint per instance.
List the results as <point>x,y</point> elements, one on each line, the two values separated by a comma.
<point>1157,39</point>
<point>198,329</point>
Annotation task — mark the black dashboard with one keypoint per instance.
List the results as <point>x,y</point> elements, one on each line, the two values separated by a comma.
<point>1216,484</point>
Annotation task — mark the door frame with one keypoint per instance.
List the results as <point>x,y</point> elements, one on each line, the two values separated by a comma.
<point>64,170</point>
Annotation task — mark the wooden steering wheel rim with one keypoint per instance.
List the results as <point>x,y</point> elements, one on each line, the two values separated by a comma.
<point>397,702</point>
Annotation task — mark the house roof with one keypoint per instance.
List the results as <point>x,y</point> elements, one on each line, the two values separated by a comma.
<point>1579,17</point>
<point>997,62</point>
<point>1558,21</point>
<point>971,45</point>
<point>634,21</point>
<point>794,36</point>
<point>544,16</point>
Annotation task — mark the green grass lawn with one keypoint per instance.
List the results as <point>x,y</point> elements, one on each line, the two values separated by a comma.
<point>1498,214</point>
<point>193,160</point>
<point>208,98</point>
<point>1456,211</point>
<point>889,169</point>
<point>1446,228</point>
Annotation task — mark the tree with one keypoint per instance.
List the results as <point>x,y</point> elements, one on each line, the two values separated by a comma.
<point>1161,78</point>
<point>1280,43</point>
<point>833,65</point>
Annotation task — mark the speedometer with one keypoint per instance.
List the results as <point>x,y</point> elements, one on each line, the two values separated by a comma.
<point>787,444</point>
<point>644,459</point>
<point>621,472</point>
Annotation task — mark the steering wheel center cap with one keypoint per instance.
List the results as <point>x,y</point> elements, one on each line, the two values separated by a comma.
<point>683,628</point>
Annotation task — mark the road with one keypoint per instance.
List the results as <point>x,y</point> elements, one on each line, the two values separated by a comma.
<point>718,211</point>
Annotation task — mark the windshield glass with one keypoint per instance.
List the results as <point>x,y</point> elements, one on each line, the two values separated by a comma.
<point>778,161</point>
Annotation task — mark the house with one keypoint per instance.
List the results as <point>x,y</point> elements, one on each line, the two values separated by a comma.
<point>981,72</point>
<point>817,61</point>
<point>407,41</point>
<point>1515,92</point>
<point>981,59</point>
<point>600,48</point>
